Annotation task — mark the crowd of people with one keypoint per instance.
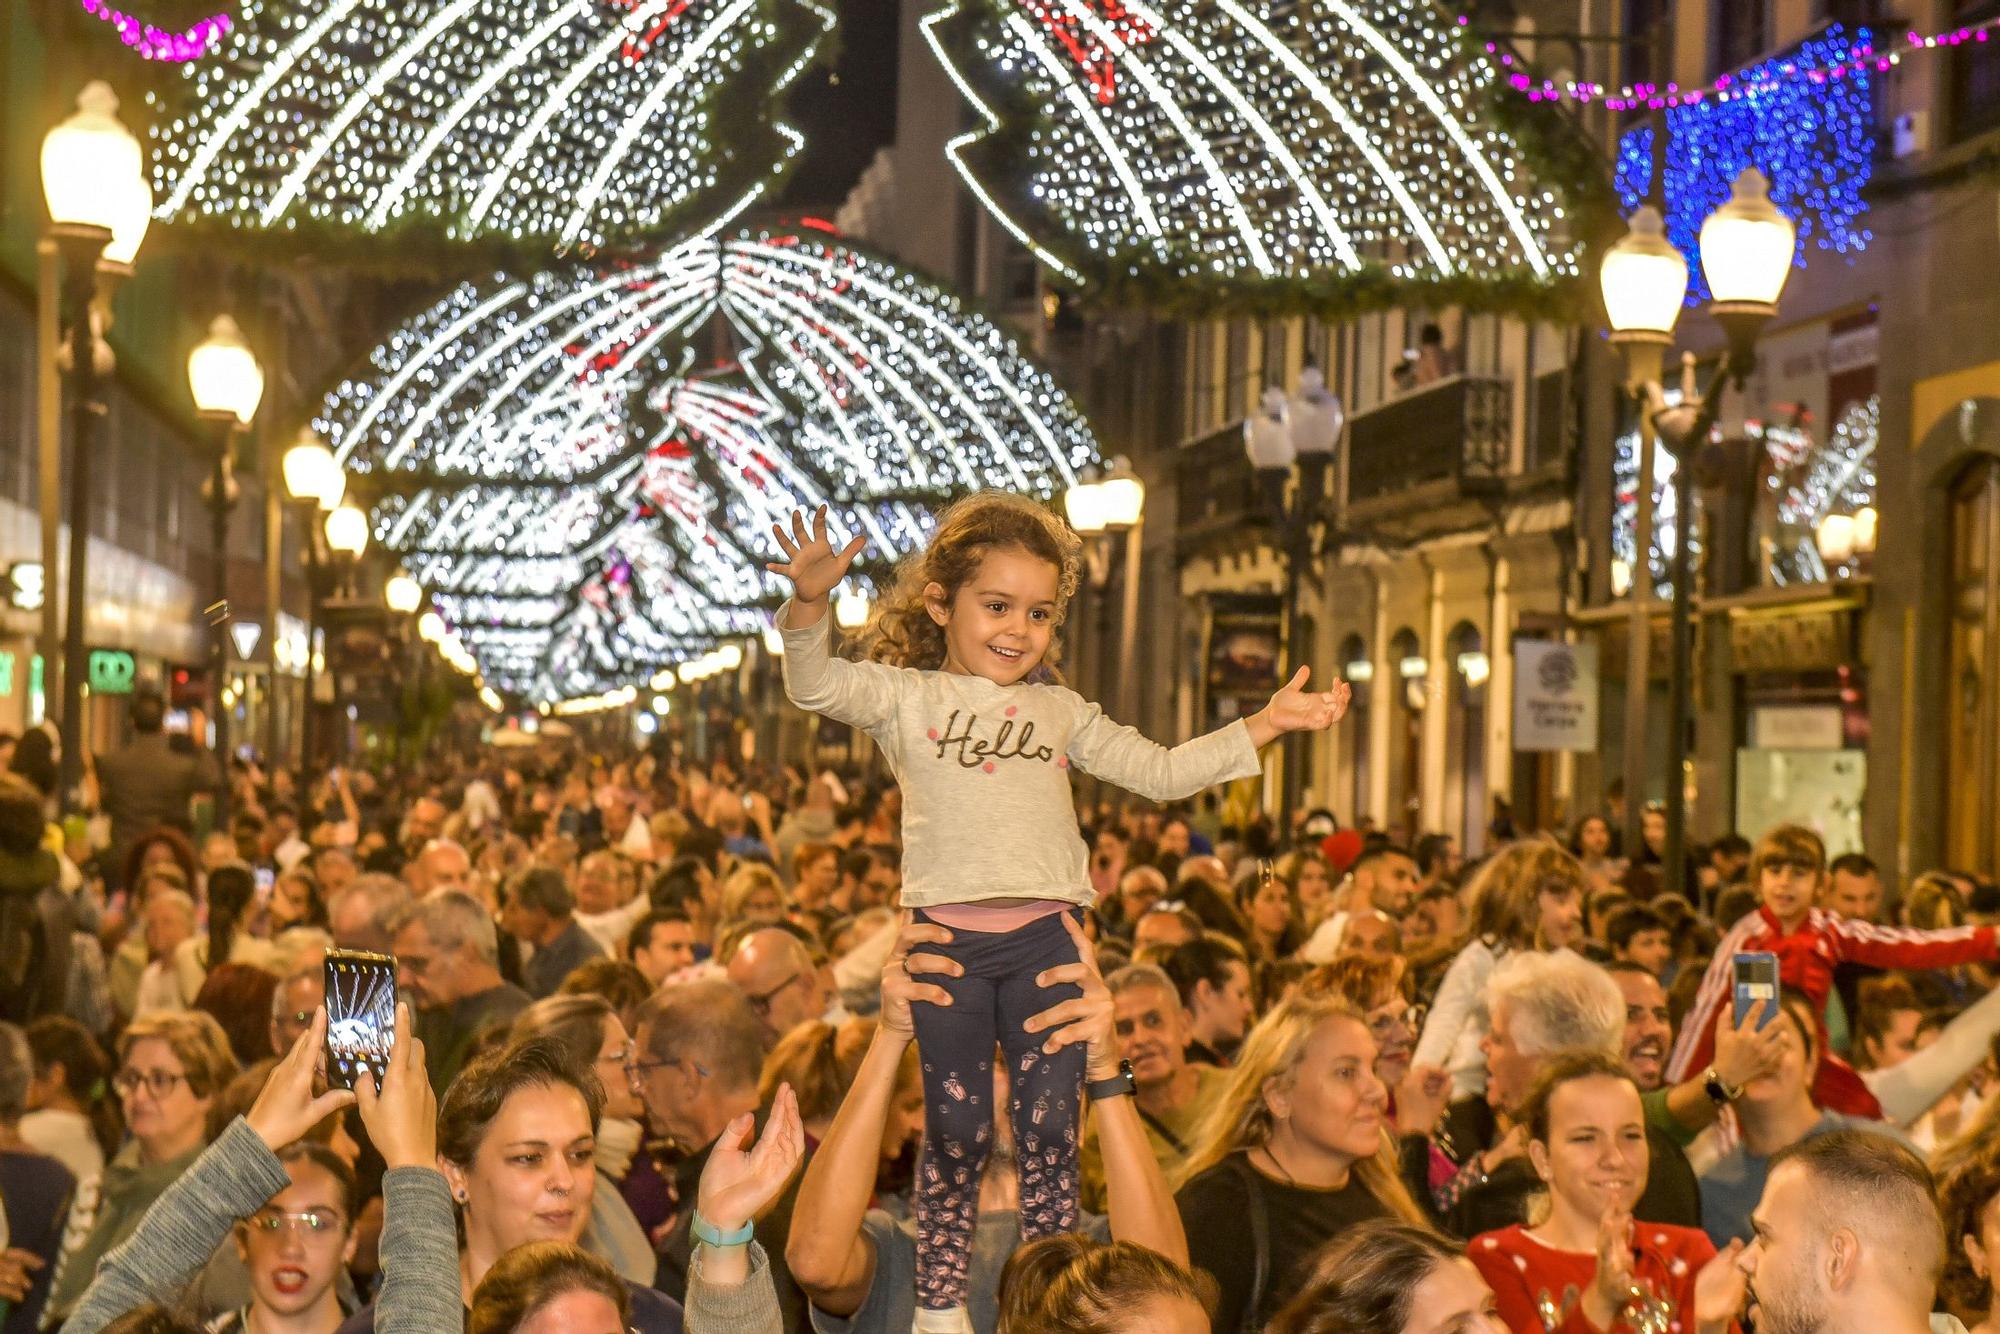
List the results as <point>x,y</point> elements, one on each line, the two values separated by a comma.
<point>954,1041</point>
<point>657,1067</point>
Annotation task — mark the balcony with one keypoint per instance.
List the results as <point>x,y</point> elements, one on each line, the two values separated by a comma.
<point>1215,487</point>
<point>1457,431</point>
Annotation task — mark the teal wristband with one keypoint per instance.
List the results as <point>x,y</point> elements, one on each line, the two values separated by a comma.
<point>705,1233</point>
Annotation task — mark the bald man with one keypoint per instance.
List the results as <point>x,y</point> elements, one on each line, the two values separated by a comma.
<point>1848,1239</point>
<point>785,986</point>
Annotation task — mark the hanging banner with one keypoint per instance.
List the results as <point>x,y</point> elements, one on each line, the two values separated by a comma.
<point>1555,695</point>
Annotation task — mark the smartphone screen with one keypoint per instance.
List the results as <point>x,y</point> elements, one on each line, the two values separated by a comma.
<point>1756,984</point>
<point>360,1015</point>
<point>266,877</point>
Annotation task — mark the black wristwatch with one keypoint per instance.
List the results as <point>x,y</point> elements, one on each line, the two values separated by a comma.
<point>1718,1092</point>
<point>1120,1085</point>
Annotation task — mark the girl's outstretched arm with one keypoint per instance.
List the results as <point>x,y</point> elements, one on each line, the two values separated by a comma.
<point>1294,709</point>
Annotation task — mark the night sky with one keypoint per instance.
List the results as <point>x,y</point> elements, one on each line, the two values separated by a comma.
<point>846,111</point>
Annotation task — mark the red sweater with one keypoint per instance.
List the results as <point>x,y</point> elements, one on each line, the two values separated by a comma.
<point>1521,1271</point>
<point>1806,960</point>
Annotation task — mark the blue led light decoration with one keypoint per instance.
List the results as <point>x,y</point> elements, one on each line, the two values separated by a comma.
<point>571,122</point>
<point>1813,137</point>
<point>588,500</point>
<point>1332,155</point>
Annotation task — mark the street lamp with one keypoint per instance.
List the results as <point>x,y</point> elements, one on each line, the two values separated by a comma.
<point>1101,507</point>
<point>311,472</point>
<point>1288,438</point>
<point>227,385</point>
<point>402,594</point>
<point>347,531</point>
<point>850,609</point>
<point>314,482</point>
<point>94,181</point>
<point>1747,247</point>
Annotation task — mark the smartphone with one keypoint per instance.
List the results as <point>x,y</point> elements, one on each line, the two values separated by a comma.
<point>265,877</point>
<point>1757,985</point>
<point>360,1015</point>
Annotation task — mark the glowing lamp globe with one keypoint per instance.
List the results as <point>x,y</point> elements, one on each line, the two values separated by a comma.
<point>92,171</point>
<point>223,373</point>
<point>1084,503</point>
<point>729,657</point>
<point>850,609</point>
<point>1747,247</point>
<point>1835,539</point>
<point>774,641</point>
<point>1316,417</point>
<point>403,594</point>
<point>1121,497</point>
<point>347,530</point>
<point>1644,280</point>
<point>310,470</point>
<point>131,208</point>
<point>1267,434</point>
<point>430,627</point>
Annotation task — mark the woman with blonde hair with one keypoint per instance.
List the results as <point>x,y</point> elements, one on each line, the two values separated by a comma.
<point>1069,1284</point>
<point>1529,896</point>
<point>753,893</point>
<point>1296,1150</point>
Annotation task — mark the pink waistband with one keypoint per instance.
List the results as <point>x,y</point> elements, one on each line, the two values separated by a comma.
<point>984,917</point>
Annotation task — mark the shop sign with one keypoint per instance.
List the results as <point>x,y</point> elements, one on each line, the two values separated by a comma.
<point>1797,727</point>
<point>1555,695</point>
<point>26,585</point>
<point>112,671</point>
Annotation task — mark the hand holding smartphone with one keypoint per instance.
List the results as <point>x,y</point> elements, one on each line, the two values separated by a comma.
<point>1756,985</point>
<point>360,1015</point>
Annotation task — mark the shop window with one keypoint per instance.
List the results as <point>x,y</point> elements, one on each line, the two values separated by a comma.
<point>1465,736</point>
<point>1972,684</point>
<point>1409,695</point>
<point>1358,670</point>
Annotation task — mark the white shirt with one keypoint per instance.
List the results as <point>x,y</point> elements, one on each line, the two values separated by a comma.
<point>67,1138</point>
<point>610,929</point>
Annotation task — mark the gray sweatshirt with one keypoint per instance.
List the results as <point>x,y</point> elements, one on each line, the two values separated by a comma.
<point>234,1178</point>
<point>751,1307</point>
<point>985,769</point>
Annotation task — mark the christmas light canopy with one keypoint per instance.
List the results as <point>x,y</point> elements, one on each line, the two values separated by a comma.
<point>1186,143</point>
<point>576,122</point>
<point>588,500</point>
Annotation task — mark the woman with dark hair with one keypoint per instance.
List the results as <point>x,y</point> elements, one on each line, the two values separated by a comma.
<point>70,1113</point>
<point>1074,1285</point>
<point>35,760</point>
<point>232,892</point>
<point>295,901</point>
<point>517,1139</point>
<point>1386,1277</point>
<point>161,845</point>
<point>1270,908</point>
<point>238,996</point>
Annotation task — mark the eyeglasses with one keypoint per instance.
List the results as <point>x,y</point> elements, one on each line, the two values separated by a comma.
<point>761,1005</point>
<point>635,1071</point>
<point>1383,1022</point>
<point>159,1083</point>
<point>313,1224</point>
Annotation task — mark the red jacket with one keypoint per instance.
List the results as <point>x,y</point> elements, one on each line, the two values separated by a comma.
<point>1806,960</point>
<point>1523,1272</point>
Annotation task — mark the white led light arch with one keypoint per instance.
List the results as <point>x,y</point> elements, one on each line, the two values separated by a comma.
<point>573,122</point>
<point>1188,142</point>
<point>587,492</point>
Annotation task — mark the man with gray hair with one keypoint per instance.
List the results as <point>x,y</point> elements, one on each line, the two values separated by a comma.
<point>448,968</point>
<point>538,909</point>
<point>360,914</point>
<point>36,1187</point>
<point>1543,1006</point>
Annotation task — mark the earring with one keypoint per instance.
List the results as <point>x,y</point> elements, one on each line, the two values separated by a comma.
<point>459,1196</point>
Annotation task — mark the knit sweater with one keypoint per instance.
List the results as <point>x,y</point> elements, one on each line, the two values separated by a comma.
<point>234,1178</point>
<point>985,768</point>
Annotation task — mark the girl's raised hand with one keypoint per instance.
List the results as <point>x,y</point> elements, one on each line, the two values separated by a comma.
<point>1295,709</point>
<point>811,563</point>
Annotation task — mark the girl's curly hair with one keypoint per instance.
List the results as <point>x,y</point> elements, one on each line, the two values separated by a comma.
<point>902,633</point>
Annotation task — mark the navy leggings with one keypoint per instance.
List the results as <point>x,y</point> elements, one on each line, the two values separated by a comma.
<point>991,1003</point>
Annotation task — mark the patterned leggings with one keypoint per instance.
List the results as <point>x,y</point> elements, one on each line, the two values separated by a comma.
<point>990,1003</point>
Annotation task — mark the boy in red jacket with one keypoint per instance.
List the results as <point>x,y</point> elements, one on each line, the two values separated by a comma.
<point>1787,868</point>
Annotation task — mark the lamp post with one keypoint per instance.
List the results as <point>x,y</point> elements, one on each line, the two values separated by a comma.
<point>227,385</point>
<point>99,206</point>
<point>314,482</point>
<point>1101,509</point>
<point>346,539</point>
<point>1287,439</point>
<point>1746,255</point>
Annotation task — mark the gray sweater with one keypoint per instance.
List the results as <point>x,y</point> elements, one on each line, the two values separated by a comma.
<point>234,1178</point>
<point>751,1307</point>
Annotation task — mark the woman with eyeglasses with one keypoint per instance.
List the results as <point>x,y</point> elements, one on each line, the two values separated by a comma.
<point>1377,987</point>
<point>291,1205</point>
<point>171,1066</point>
<point>590,1033</point>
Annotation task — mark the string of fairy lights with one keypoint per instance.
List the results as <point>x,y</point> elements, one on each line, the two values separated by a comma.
<point>1243,136</point>
<point>585,502</point>
<point>577,122</point>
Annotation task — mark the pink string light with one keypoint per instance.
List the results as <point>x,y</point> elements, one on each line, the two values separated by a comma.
<point>157,43</point>
<point>1654,97</point>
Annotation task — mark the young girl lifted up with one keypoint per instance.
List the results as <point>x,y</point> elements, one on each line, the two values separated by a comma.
<point>961,694</point>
